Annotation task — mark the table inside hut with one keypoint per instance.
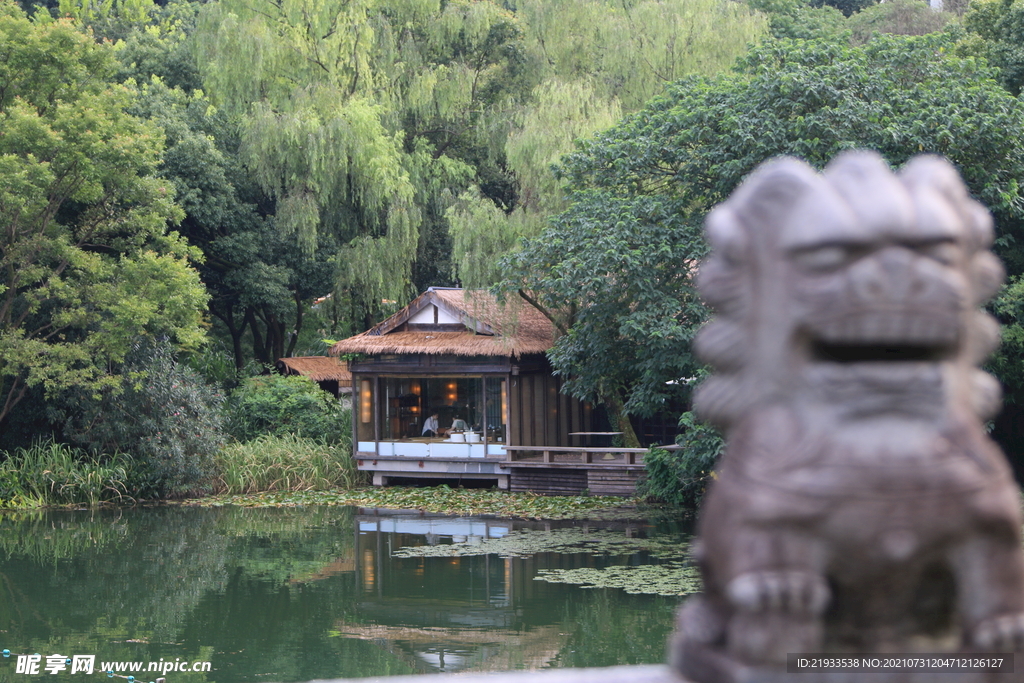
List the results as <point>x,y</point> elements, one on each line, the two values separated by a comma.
<point>596,439</point>
<point>438,439</point>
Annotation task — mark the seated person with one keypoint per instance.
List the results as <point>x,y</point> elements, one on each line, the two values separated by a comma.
<point>430,426</point>
<point>459,425</point>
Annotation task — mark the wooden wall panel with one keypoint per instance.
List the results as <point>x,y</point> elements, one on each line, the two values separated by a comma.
<point>552,433</point>
<point>540,415</point>
<point>515,409</point>
<point>548,482</point>
<point>613,482</point>
<point>538,433</point>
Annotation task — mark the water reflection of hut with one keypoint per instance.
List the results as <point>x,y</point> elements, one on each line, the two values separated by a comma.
<point>455,613</point>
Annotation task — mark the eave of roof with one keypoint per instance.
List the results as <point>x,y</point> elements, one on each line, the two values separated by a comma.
<point>318,368</point>
<point>485,320</point>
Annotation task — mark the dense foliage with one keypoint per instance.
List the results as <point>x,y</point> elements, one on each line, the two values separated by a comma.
<point>615,267</point>
<point>371,149</point>
<point>288,462</point>
<point>681,478</point>
<point>590,61</point>
<point>996,32</point>
<point>86,262</point>
<point>163,414</point>
<point>49,473</point>
<point>273,404</point>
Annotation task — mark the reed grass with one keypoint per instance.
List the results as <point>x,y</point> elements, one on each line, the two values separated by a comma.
<point>49,473</point>
<point>285,463</point>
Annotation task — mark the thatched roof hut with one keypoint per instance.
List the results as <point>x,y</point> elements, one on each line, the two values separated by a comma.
<point>331,374</point>
<point>452,384</point>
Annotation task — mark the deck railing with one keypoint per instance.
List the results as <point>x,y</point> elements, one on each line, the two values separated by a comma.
<point>562,455</point>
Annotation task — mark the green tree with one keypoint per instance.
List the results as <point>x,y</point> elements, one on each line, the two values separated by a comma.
<point>260,281</point>
<point>798,19</point>
<point>160,45</point>
<point>996,32</point>
<point>590,61</point>
<point>86,263</point>
<point>110,19</point>
<point>163,414</point>
<point>615,268</point>
<point>281,406</point>
<point>902,17</point>
<point>847,7</point>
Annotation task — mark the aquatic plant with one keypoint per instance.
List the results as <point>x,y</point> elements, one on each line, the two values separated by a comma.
<point>441,499</point>
<point>525,543</point>
<point>674,575</point>
<point>49,473</point>
<point>285,462</point>
<point>654,579</point>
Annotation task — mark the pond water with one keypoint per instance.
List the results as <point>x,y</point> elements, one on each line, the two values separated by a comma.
<point>296,594</point>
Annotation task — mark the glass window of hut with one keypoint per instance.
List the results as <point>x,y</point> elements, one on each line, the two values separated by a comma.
<point>409,401</point>
<point>364,409</point>
<point>497,409</point>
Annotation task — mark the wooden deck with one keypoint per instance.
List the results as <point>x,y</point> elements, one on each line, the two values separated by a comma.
<point>548,470</point>
<point>569,471</point>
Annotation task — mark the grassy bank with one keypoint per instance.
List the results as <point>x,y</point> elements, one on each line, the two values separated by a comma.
<point>49,474</point>
<point>268,471</point>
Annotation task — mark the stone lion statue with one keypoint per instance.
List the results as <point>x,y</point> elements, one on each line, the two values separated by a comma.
<point>860,505</point>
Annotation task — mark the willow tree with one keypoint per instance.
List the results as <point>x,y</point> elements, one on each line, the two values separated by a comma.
<point>593,60</point>
<point>358,117</point>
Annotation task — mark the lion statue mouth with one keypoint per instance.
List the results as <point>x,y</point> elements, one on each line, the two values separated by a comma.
<point>884,336</point>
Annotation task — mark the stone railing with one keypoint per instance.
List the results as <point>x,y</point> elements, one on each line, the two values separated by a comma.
<point>657,673</point>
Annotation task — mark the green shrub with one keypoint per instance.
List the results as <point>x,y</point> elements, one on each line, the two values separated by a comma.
<point>49,473</point>
<point>279,405</point>
<point>216,365</point>
<point>285,463</point>
<point>163,414</point>
<point>681,477</point>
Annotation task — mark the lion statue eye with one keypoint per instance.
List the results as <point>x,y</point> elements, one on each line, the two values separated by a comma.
<point>822,258</point>
<point>945,252</point>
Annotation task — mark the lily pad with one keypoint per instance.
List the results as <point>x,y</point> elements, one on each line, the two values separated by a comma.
<point>655,579</point>
<point>525,543</point>
<point>441,499</point>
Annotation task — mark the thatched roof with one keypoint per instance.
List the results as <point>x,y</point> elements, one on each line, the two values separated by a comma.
<point>317,368</point>
<point>491,329</point>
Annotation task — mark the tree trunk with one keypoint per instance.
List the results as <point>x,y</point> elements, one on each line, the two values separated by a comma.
<point>620,419</point>
<point>14,394</point>
<point>259,348</point>
<point>235,331</point>
<point>275,337</point>
<point>298,325</point>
